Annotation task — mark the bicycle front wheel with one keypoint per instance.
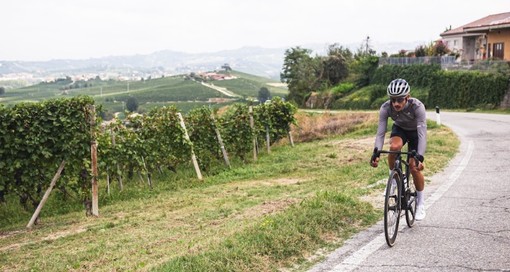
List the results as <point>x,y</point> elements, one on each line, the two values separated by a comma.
<point>392,207</point>
<point>410,198</point>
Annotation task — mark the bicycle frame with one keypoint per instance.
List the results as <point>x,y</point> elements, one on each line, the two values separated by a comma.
<point>399,162</point>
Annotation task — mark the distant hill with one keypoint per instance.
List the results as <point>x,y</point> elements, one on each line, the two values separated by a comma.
<point>252,60</point>
<point>265,62</point>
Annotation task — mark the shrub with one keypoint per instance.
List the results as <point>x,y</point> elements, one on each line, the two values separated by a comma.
<point>462,89</point>
<point>361,99</point>
<point>418,75</point>
<point>132,104</point>
<point>342,89</point>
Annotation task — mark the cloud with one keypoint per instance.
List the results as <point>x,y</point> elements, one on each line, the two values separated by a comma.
<point>39,30</point>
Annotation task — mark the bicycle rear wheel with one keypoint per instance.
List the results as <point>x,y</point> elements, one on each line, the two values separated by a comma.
<point>392,207</point>
<point>411,202</point>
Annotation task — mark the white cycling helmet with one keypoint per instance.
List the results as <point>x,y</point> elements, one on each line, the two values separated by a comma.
<point>398,87</point>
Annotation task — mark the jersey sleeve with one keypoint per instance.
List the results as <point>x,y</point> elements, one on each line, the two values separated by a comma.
<point>421,127</point>
<point>381,128</point>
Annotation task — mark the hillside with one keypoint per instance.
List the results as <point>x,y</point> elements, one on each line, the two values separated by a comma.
<point>253,60</point>
<point>180,90</point>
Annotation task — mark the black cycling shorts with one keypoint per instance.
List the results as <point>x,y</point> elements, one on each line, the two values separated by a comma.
<point>407,136</point>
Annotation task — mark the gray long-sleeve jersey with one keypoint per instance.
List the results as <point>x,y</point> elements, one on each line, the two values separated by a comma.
<point>412,117</point>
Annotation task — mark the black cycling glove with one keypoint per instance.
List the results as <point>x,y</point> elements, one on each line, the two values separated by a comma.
<point>420,158</point>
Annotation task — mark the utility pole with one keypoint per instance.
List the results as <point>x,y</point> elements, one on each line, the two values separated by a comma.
<point>366,45</point>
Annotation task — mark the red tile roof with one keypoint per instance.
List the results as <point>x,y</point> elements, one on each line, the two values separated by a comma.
<point>492,21</point>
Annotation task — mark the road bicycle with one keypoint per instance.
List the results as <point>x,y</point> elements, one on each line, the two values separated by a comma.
<point>400,194</point>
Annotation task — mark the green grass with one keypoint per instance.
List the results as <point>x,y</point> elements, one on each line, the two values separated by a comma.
<point>267,215</point>
<point>279,240</point>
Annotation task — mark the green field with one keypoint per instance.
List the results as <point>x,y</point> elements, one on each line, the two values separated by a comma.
<point>249,85</point>
<point>150,93</point>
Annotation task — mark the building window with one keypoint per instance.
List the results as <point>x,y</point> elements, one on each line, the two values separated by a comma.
<point>498,50</point>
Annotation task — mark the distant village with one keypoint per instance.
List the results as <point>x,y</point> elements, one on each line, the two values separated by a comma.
<point>20,79</point>
<point>25,79</point>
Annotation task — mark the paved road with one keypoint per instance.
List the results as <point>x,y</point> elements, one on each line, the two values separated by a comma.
<point>467,227</point>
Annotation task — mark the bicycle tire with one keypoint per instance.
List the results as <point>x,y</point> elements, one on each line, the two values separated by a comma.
<point>392,208</point>
<point>410,198</point>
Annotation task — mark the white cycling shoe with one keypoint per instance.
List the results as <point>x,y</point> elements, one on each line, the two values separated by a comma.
<point>393,187</point>
<point>420,212</point>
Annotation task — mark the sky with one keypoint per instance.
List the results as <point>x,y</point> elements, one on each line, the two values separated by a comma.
<point>35,30</point>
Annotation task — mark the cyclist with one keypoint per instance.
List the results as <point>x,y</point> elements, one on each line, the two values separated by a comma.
<point>410,127</point>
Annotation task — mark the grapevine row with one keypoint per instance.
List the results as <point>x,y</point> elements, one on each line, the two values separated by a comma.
<point>36,137</point>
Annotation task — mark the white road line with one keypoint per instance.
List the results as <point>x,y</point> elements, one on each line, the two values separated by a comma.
<point>452,178</point>
<point>354,260</point>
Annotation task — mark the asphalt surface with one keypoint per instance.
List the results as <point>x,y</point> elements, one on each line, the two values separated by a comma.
<point>467,227</point>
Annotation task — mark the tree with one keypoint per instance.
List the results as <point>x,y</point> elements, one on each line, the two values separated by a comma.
<point>227,67</point>
<point>2,90</point>
<point>420,51</point>
<point>132,104</point>
<point>300,72</point>
<point>336,64</point>
<point>264,95</point>
<point>364,65</point>
<point>401,54</point>
<point>440,49</point>
<point>305,74</point>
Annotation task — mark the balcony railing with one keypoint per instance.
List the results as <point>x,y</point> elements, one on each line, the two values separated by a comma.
<point>451,63</point>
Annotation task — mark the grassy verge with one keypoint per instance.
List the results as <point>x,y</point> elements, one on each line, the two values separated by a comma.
<point>263,216</point>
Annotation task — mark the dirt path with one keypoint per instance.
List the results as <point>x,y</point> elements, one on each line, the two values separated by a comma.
<point>222,90</point>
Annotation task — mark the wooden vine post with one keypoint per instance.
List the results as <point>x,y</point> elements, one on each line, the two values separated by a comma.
<point>268,140</point>
<point>46,195</point>
<point>290,138</point>
<point>220,141</point>
<point>193,157</point>
<point>119,176</point>
<point>254,140</point>
<point>93,156</point>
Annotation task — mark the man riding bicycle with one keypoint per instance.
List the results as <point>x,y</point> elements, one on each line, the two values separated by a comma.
<point>410,126</point>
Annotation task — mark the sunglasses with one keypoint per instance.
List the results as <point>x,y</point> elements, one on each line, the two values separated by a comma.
<point>398,100</point>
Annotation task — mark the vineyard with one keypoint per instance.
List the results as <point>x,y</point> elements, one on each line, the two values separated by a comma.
<point>150,93</point>
<point>38,137</point>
